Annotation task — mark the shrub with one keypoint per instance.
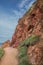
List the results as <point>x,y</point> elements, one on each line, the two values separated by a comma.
<point>1,52</point>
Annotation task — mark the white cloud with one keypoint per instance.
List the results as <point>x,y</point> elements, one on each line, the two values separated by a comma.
<point>26,4</point>
<point>29,5</point>
<point>22,3</point>
<point>19,13</point>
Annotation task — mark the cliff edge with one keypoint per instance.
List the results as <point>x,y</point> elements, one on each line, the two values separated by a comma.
<point>30,23</point>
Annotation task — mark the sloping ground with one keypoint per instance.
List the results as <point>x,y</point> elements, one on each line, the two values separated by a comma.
<point>30,23</point>
<point>10,56</point>
<point>28,52</point>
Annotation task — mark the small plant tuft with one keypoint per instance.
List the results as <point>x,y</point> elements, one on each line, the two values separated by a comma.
<point>1,52</point>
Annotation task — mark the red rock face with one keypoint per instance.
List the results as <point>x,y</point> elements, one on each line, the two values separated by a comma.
<point>30,23</point>
<point>35,53</point>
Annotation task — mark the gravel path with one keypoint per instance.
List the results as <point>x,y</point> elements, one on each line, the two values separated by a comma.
<point>10,57</point>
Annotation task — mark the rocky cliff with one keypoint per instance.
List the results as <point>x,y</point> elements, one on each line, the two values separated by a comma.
<point>30,23</point>
<point>30,32</point>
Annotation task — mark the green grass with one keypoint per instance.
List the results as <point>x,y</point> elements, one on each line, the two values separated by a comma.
<point>23,57</point>
<point>30,40</point>
<point>1,52</point>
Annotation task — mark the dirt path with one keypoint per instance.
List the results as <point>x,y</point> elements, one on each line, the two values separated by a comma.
<point>10,57</point>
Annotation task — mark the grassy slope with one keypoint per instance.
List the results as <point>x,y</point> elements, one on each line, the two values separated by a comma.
<point>23,49</point>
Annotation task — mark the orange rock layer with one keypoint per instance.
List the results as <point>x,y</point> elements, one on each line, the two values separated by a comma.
<point>6,44</point>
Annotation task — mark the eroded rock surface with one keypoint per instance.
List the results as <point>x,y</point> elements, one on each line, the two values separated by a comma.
<point>30,23</point>
<point>35,53</point>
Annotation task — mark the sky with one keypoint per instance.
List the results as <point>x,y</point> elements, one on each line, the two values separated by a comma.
<point>10,12</point>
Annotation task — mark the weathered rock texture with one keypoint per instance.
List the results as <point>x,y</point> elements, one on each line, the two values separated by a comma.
<point>35,53</point>
<point>6,44</point>
<point>30,23</point>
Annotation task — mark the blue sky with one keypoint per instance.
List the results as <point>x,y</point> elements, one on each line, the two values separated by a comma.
<point>10,12</point>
